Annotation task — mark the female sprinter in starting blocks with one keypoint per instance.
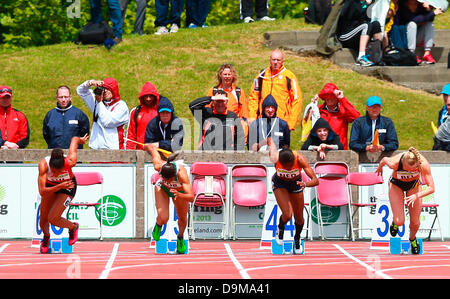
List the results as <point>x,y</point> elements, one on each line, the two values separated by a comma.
<point>173,183</point>
<point>57,187</point>
<point>288,188</point>
<point>408,168</point>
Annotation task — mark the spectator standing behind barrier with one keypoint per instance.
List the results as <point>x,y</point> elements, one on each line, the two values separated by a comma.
<point>442,137</point>
<point>162,21</point>
<point>444,112</point>
<point>14,127</point>
<point>418,19</point>
<point>365,128</point>
<point>269,125</point>
<point>261,10</point>
<point>141,115</point>
<point>115,14</point>
<point>166,130</point>
<point>322,139</point>
<point>110,113</point>
<point>283,85</point>
<point>141,6</point>
<point>237,98</point>
<point>64,121</point>
<point>196,13</point>
<point>354,29</point>
<point>337,111</point>
<point>220,129</point>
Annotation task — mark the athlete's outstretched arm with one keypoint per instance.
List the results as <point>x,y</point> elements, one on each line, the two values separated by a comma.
<point>273,151</point>
<point>73,147</point>
<point>156,157</point>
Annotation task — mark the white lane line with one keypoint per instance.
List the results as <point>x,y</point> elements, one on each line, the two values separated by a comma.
<point>4,247</point>
<point>236,263</point>
<point>368,267</point>
<point>110,262</point>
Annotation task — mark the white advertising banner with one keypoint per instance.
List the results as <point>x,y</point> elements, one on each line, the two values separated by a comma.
<point>441,176</point>
<point>19,193</point>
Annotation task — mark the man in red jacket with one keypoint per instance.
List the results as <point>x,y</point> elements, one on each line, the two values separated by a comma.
<point>13,123</point>
<point>337,111</point>
<point>141,115</point>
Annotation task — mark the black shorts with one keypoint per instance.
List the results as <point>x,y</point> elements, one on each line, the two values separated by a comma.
<point>71,192</point>
<point>290,186</point>
<point>405,186</point>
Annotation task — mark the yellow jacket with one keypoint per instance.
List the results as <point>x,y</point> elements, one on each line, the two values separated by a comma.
<point>284,87</point>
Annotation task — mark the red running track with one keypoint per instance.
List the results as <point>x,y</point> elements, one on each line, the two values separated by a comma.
<point>222,260</point>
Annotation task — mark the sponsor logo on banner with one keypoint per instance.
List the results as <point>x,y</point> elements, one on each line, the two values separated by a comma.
<point>112,209</point>
<point>3,207</point>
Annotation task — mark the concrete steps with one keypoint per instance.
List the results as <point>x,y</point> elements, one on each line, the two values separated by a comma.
<point>429,78</point>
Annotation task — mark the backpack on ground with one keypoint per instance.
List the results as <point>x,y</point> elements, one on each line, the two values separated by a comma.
<point>399,57</point>
<point>95,33</point>
<point>375,51</point>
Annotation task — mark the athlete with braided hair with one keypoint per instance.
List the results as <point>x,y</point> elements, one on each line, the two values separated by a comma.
<point>408,170</point>
<point>173,183</point>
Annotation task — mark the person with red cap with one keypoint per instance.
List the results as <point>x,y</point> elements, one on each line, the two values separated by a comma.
<point>15,132</point>
<point>337,111</point>
<point>110,113</point>
<point>141,115</point>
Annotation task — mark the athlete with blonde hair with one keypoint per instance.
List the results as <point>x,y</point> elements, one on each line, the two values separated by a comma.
<point>408,170</point>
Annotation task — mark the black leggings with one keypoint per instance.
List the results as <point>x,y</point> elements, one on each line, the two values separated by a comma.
<point>351,38</point>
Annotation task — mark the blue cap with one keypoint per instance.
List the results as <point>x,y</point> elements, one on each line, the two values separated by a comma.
<point>446,89</point>
<point>373,100</point>
<point>164,109</point>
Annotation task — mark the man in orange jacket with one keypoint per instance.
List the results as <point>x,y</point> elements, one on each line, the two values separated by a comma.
<point>283,85</point>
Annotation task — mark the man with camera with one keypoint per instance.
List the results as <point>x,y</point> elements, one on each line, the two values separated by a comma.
<point>110,113</point>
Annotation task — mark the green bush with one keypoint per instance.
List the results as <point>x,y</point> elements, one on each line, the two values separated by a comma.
<point>25,23</point>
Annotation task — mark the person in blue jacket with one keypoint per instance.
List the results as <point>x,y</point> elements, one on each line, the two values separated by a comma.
<point>166,130</point>
<point>64,121</point>
<point>268,125</point>
<point>364,128</point>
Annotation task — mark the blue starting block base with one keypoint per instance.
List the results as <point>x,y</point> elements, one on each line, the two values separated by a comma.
<point>60,246</point>
<point>287,247</point>
<point>399,246</point>
<point>164,246</point>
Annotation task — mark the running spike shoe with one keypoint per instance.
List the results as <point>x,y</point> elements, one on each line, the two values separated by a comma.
<point>156,232</point>
<point>45,244</point>
<point>73,235</point>
<point>181,246</point>
<point>393,229</point>
<point>415,246</point>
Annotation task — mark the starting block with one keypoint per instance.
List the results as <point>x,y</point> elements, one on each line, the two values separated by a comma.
<point>60,246</point>
<point>287,247</point>
<point>164,246</point>
<point>399,246</point>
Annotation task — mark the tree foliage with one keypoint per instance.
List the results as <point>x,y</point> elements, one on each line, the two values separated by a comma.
<point>25,23</point>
